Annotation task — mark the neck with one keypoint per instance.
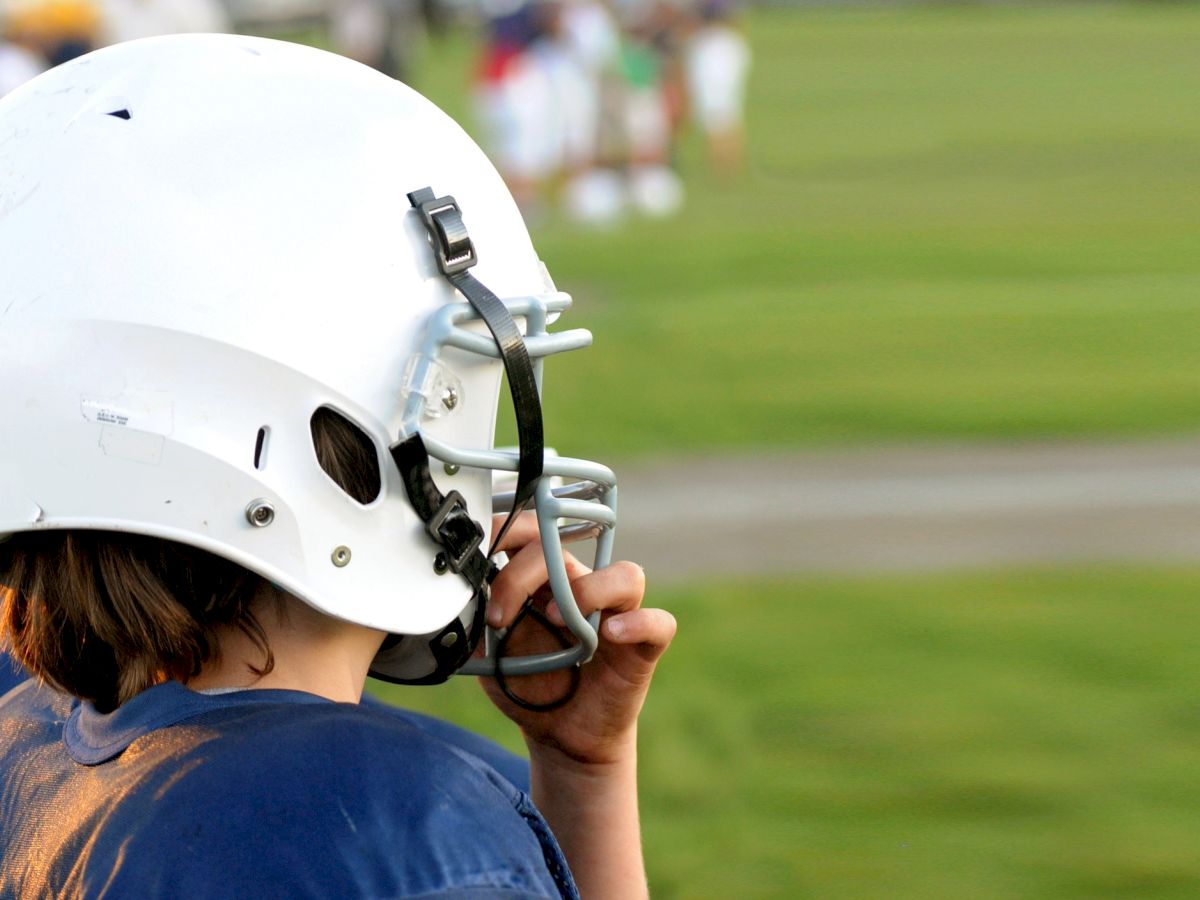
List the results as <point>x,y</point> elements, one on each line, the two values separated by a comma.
<point>312,652</point>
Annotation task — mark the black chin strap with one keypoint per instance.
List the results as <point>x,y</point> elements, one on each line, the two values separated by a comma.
<point>455,255</point>
<point>445,516</point>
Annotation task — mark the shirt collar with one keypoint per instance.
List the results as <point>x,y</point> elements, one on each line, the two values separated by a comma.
<point>92,737</point>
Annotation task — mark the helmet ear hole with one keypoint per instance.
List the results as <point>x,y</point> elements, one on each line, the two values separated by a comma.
<point>346,454</point>
<point>260,447</point>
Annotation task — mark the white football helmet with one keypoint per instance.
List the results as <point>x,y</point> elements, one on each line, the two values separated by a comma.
<point>204,239</point>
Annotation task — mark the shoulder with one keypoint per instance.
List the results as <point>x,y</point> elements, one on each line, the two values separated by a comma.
<point>360,744</point>
<point>336,761</point>
<point>334,800</point>
<point>514,768</point>
<point>30,714</point>
<point>269,799</point>
<point>31,721</point>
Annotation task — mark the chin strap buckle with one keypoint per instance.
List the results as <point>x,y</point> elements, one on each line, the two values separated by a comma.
<point>451,244</point>
<point>455,531</point>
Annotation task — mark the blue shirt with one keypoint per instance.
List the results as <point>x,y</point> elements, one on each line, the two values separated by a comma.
<point>260,794</point>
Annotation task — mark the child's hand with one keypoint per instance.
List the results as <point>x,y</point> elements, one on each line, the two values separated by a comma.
<point>583,754</point>
<point>597,726</point>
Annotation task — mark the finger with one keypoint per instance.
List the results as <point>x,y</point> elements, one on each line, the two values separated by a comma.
<point>616,588</point>
<point>523,531</point>
<point>521,578</point>
<point>649,630</point>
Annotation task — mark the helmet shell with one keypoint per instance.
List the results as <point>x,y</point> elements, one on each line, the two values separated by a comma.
<point>204,239</point>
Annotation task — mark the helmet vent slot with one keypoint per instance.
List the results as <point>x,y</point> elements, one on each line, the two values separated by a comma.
<point>347,455</point>
<point>260,447</point>
<point>121,114</point>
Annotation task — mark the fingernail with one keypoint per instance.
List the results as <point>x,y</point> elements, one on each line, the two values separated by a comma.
<point>495,615</point>
<point>615,627</point>
<point>555,615</point>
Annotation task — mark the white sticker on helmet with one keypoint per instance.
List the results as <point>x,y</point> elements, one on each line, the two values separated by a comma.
<point>138,411</point>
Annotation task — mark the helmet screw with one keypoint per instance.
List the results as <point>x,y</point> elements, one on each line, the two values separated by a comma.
<point>441,565</point>
<point>341,556</point>
<point>451,469</point>
<point>260,513</point>
<point>448,640</point>
<point>450,397</point>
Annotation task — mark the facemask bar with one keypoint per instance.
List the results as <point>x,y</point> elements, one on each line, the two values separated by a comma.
<point>588,503</point>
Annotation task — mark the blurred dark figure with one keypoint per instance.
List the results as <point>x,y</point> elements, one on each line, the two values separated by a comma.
<point>434,16</point>
<point>379,33</point>
<point>53,31</point>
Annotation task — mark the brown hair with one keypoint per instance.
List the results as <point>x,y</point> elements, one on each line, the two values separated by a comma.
<point>104,615</point>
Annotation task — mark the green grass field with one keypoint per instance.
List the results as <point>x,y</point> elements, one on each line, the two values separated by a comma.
<point>957,222</point>
<point>1031,734</point>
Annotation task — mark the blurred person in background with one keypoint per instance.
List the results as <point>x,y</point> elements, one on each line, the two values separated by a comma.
<point>379,33</point>
<point>654,187</point>
<point>587,32</point>
<point>717,61</point>
<point>128,20</point>
<point>576,107</point>
<point>514,100</point>
<point>576,43</point>
<point>17,65</point>
<point>669,21</point>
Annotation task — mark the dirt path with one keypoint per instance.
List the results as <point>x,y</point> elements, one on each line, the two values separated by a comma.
<point>913,508</point>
